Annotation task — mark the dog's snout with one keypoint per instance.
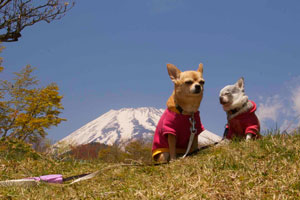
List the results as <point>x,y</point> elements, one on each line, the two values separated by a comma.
<point>197,88</point>
<point>222,101</point>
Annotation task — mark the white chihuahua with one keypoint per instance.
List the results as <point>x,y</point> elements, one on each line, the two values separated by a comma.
<point>242,121</point>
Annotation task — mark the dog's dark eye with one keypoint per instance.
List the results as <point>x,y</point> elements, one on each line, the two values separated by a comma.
<point>189,82</point>
<point>202,82</point>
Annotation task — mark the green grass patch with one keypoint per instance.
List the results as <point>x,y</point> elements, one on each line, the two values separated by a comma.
<point>262,169</point>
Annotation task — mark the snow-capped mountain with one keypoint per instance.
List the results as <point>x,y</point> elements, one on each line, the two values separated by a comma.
<point>124,125</point>
<point>117,127</point>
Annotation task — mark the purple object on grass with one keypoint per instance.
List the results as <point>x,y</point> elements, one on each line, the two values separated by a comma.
<point>52,178</point>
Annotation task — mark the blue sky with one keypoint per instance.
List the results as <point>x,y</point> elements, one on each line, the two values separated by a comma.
<point>112,54</point>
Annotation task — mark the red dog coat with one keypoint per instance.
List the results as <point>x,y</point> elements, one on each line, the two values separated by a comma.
<point>244,123</point>
<point>175,124</point>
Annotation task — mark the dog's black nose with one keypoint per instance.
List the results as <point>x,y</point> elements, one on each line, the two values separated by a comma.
<point>197,88</point>
<point>222,100</point>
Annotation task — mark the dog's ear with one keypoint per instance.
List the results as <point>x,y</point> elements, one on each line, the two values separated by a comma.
<point>200,68</point>
<point>173,71</point>
<point>240,83</point>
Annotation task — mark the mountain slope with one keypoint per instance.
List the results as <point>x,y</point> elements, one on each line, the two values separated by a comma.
<point>118,126</point>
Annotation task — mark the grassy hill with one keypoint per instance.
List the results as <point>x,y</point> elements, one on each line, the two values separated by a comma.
<point>268,168</point>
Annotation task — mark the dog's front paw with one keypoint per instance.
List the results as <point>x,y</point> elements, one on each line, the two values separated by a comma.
<point>249,136</point>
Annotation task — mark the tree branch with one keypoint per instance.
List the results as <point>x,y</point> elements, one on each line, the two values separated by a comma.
<point>4,3</point>
<point>15,15</point>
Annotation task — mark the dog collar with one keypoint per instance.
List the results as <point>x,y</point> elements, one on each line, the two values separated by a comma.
<point>179,108</point>
<point>181,111</point>
<point>233,111</point>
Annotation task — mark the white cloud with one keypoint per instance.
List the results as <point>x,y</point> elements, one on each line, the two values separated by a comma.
<point>296,100</point>
<point>288,126</point>
<point>270,109</point>
<point>296,108</point>
<point>283,110</point>
<point>285,126</point>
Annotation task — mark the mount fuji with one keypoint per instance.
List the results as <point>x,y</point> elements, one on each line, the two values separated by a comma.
<point>122,126</point>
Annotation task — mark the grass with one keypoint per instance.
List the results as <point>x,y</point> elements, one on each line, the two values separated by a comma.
<point>268,168</point>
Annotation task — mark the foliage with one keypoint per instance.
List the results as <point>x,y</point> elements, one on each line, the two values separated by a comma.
<point>139,151</point>
<point>15,15</point>
<point>42,145</point>
<point>27,110</point>
<point>14,149</point>
<point>133,151</point>
<point>111,154</point>
<point>87,151</point>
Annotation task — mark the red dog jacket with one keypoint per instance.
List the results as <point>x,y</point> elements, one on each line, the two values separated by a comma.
<point>244,123</point>
<point>175,124</point>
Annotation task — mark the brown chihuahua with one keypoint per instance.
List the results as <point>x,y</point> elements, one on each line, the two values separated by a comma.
<point>174,128</point>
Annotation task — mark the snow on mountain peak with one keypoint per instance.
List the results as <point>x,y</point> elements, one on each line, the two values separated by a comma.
<point>117,127</point>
